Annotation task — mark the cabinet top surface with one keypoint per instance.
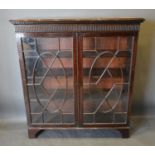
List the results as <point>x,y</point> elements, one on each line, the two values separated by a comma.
<point>78,20</point>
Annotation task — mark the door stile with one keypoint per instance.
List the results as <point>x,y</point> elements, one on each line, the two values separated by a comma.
<point>75,70</point>
<point>80,78</point>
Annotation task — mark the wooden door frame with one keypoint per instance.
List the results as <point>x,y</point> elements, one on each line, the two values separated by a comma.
<point>19,37</point>
<point>80,76</point>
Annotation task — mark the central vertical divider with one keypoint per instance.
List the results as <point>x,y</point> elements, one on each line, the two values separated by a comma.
<point>80,78</point>
<point>75,70</point>
<point>77,99</point>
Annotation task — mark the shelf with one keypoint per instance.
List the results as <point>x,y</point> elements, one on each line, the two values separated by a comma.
<point>43,93</point>
<point>69,54</point>
<point>53,106</point>
<point>102,118</point>
<point>121,62</point>
<point>94,53</point>
<point>57,72</point>
<point>55,118</point>
<point>34,53</point>
<point>44,43</point>
<point>104,83</point>
<point>107,42</point>
<point>50,82</point>
<point>115,72</point>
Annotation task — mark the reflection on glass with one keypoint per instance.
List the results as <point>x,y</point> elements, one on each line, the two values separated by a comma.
<point>49,70</point>
<point>106,65</point>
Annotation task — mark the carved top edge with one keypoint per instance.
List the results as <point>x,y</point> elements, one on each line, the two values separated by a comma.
<point>78,21</point>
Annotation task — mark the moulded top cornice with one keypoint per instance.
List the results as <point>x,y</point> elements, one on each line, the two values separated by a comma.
<point>78,21</point>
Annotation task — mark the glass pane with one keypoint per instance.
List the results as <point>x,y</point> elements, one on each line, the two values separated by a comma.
<point>106,68</point>
<point>50,81</point>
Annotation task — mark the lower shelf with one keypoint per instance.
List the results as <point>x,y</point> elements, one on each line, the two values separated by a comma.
<point>34,132</point>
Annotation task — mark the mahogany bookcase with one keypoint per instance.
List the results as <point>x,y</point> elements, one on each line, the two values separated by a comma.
<point>77,73</point>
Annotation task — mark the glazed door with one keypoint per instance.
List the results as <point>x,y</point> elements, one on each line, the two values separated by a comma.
<point>105,64</point>
<point>50,78</point>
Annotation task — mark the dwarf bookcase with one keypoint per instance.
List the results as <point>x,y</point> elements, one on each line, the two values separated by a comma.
<point>77,73</point>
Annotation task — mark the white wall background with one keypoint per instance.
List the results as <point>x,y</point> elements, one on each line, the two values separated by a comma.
<point>11,97</point>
